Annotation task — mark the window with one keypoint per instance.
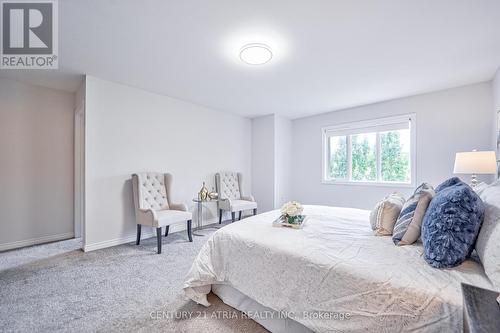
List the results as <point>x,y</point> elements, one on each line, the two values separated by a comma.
<point>377,151</point>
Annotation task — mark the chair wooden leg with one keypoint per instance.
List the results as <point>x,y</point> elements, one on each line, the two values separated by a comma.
<point>158,239</point>
<point>255,211</point>
<point>138,235</point>
<point>166,230</point>
<point>239,217</point>
<point>220,216</point>
<point>190,234</point>
<point>232,216</point>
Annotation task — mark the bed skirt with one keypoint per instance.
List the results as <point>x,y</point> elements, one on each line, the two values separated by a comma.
<point>270,319</point>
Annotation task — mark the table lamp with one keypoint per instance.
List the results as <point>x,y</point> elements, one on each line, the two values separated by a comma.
<point>474,163</point>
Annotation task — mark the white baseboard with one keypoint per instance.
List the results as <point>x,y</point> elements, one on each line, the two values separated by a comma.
<point>144,234</point>
<point>114,242</point>
<point>35,241</point>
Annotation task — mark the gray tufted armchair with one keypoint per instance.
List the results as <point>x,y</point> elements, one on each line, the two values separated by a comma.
<point>228,185</point>
<point>153,206</point>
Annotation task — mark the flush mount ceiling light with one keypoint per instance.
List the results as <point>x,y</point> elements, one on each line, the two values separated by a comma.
<point>255,54</point>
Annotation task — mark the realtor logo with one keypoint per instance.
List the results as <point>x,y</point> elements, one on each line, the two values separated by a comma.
<point>29,34</point>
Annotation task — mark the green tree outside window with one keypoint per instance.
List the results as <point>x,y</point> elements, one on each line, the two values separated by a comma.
<point>393,151</point>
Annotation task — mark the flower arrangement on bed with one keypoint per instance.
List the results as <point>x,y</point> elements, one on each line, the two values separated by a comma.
<point>291,216</point>
<point>377,273</point>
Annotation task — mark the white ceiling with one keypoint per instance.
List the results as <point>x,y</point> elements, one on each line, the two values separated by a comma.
<point>328,55</point>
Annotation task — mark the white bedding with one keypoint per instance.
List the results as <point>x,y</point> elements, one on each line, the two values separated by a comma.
<point>332,267</point>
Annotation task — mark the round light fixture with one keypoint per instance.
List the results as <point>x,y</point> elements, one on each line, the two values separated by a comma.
<point>255,54</point>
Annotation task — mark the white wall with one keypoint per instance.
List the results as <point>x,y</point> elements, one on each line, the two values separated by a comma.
<point>79,161</point>
<point>36,163</point>
<point>496,106</point>
<point>130,130</point>
<point>271,161</point>
<point>496,90</point>
<point>447,121</point>
<point>263,162</point>
<point>284,158</point>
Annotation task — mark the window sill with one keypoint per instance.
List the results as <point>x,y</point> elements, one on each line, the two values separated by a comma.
<point>374,184</point>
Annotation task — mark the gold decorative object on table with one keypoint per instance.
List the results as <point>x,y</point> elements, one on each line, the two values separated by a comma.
<point>203,194</point>
<point>213,195</point>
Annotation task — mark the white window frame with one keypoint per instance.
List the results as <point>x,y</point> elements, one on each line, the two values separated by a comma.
<point>330,131</point>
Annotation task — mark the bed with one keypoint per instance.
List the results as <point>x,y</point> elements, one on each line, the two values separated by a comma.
<point>332,275</point>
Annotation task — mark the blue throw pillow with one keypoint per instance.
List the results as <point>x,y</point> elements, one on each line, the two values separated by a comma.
<point>451,224</point>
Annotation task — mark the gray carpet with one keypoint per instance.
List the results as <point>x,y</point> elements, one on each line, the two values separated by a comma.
<point>57,287</point>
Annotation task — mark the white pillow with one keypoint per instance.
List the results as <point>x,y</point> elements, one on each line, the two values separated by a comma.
<point>488,240</point>
<point>386,212</point>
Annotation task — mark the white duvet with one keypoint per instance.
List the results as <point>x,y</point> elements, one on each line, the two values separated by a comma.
<point>334,274</point>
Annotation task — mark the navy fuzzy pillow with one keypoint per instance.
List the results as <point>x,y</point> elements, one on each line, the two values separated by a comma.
<point>451,224</point>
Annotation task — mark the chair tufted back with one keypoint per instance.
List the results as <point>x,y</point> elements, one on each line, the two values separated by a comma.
<point>229,185</point>
<point>151,190</point>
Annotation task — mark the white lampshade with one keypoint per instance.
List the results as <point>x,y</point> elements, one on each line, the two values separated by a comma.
<point>475,162</point>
